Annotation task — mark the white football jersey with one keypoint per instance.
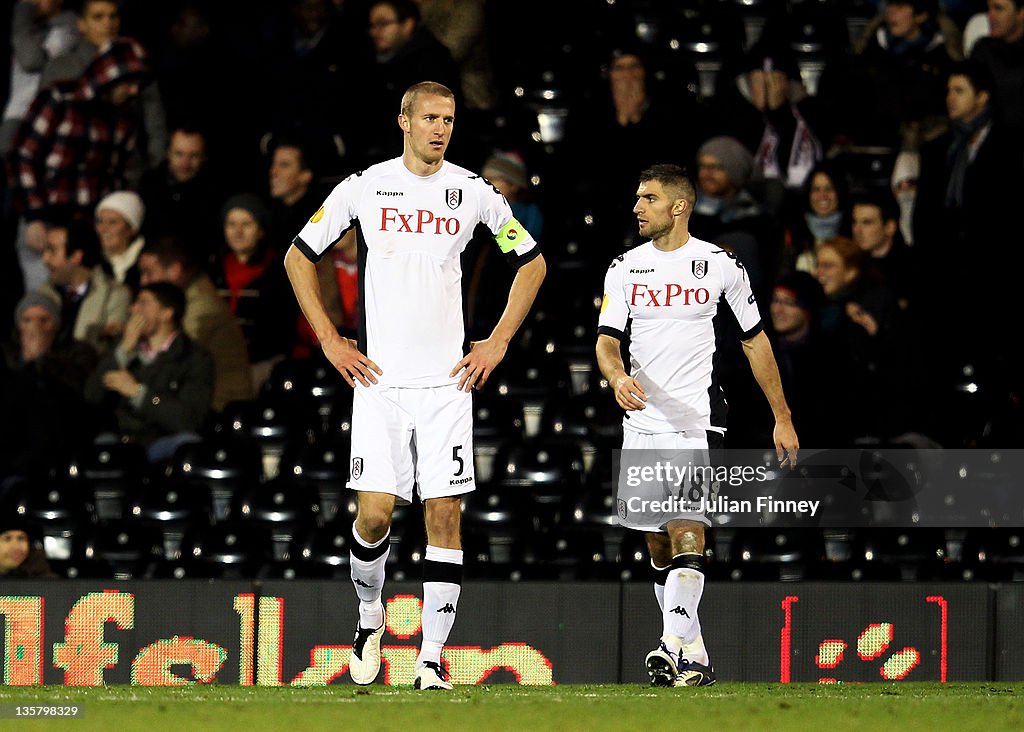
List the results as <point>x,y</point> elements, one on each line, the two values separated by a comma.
<point>668,301</point>
<point>411,233</point>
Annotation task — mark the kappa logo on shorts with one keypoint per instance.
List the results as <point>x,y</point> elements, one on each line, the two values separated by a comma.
<point>453,197</point>
<point>700,268</point>
<point>357,467</point>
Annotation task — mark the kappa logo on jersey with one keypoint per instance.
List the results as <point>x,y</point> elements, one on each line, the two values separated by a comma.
<point>390,193</point>
<point>453,197</point>
<point>669,295</point>
<point>317,216</point>
<point>647,270</point>
<point>357,467</point>
<point>699,267</point>
<point>420,221</point>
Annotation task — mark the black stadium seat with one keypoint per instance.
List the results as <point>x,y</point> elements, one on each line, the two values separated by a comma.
<point>222,465</point>
<point>704,38</point>
<point>108,472</point>
<point>61,513</point>
<point>323,551</point>
<point>994,554</point>
<point>632,556</point>
<point>279,502</point>
<point>547,475</point>
<point>322,464</point>
<point>918,553</point>
<point>227,550</point>
<point>129,549</point>
<point>565,555</point>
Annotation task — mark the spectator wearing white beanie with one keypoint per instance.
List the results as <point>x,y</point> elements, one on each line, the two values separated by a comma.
<point>119,218</point>
<point>905,172</point>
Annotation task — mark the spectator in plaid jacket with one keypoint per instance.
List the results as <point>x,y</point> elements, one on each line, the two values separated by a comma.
<point>74,146</point>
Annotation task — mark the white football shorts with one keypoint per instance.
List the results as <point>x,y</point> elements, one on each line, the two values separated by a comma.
<point>639,505</point>
<point>404,438</point>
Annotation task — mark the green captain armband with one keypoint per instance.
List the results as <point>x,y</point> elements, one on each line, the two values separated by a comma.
<point>509,236</point>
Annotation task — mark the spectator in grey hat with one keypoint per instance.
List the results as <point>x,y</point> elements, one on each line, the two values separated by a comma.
<point>731,157</point>
<point>728,214</point>
<point>247,202</point>
<point>37,322</point>
<point>43,386</point>
<point>507,172</point>
<point>724,167</point>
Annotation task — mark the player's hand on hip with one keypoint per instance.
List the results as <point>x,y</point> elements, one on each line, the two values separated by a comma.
<point>786,443</point>
<point>629,394</point>
<point>478,364</point>
<point>350,362</point>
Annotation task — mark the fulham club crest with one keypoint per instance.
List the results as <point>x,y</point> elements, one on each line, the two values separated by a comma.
<point>453,197</point>
<point>357,467</point>
<point>700,268</point>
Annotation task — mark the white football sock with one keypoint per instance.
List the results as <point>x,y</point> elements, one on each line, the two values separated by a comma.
<point>683,590</point>
<point>695,650</point>
<point>366,565</point>
<point>442,584</point>
<point>660,575</point>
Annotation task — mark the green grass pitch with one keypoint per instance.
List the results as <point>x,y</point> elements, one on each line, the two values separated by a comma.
<point>986,706</point>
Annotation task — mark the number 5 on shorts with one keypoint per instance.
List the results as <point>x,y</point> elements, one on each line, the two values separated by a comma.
<point>457,459</point>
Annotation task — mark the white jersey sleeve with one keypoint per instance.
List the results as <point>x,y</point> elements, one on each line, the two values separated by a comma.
<point>614,316</point>
<point>736,287</point>
<point>515,242</point>
<point>336,216</point>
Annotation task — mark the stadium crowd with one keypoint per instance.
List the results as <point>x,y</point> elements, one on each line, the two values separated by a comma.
<point>862,161</point>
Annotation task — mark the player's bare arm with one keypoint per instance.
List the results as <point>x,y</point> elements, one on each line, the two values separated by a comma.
<point>484,356</point>
<point>629,394</point>
<point>341,352</point>
<point>758,351</point>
